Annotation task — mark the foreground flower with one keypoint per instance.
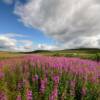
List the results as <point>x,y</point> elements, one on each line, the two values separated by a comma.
<point>19,97</point>
<point>2,96</point>
<point>29,95</point>
<point>72,87</point>
<point>1,75</point>
<point>43,85</point>
<point>54,94</point>
<point>84,91</point>
<point>35,78</point>
<point>20,85</point>
<point>56,80</point>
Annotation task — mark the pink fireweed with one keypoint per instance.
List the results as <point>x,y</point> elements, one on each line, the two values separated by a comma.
<point>29,95</point>
<point>72,87</point>
<point>20,85</point>
<point>35,78</point>
<point>56,79</point>
<point>54,94</point>
<point>43,83</point>
<point>1,75</point>
<point>19,97</point>
<point>84,91</point>
<point>2,96</point>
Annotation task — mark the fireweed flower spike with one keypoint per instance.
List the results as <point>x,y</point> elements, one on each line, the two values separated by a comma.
<point>54,94</point>
<point>2,96</point>
<point>72,87</point>
<point>43,85</point>
<point>1,75</point>
<point>18,97</point>
<point>84,91</point>
<point>56,79</point>
<point>29,95</point>
<point>35,78</point>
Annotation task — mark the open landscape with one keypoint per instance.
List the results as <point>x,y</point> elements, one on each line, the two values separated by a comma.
<point>49,49</point>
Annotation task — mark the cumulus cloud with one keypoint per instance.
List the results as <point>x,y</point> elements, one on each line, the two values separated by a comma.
<point>8,42</point>
<point>72,22</point>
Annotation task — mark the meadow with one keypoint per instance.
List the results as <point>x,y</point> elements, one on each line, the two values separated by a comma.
<point>83,53</point>
<point>48,77</point>
<point>8,55</point>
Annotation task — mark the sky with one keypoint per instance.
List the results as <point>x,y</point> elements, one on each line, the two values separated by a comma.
<point>27,25</point>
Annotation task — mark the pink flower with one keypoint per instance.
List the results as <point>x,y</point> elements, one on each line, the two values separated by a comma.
<point>36,77</point>
<point>20,85</point>
<point>72,84</point>
<point>84,91</point>
<point>2,96</point>
<point>54,94</point>
<point>19,97</point>
<point>43,85</point>
<point>29,95</point>
<point>1,75</point>
<point>72,87</point>
<point>56,79</point>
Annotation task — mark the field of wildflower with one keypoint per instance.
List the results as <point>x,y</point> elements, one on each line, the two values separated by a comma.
<point>37,77</point>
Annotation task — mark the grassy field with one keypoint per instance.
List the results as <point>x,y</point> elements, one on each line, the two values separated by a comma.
<point>93,54</point>
<point>50,75</point>
<point>7,55</point>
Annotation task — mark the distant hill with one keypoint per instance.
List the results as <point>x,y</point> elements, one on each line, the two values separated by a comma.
<point>86,50</point>
<point>77,50</point>
<point>39,51</point>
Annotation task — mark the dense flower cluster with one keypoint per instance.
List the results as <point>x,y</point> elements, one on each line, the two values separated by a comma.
<point>35,77</point>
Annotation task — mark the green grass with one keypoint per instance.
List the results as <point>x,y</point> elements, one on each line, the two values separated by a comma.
<point>84,53</point>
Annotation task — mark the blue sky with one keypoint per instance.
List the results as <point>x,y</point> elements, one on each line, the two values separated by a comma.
<point>9,24</point>
<point>27,25</point>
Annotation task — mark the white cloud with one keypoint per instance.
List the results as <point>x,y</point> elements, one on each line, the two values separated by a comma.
<point>8,1</point>
<point>88,42</point>
<point>47,47</point>
<point>27,45</point>
<point>11,42</point>
<point>12,35</point>
<point>73,22</point>
<point>8,42</point>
